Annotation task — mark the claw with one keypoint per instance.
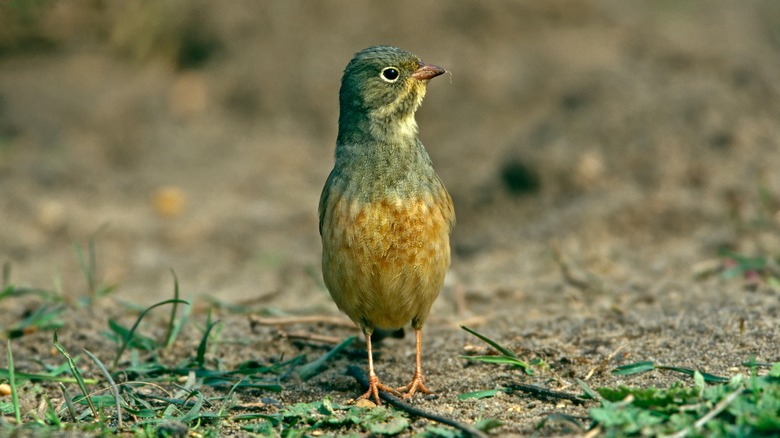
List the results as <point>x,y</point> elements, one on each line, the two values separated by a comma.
<point>374,386</point>
<point>417,384</point>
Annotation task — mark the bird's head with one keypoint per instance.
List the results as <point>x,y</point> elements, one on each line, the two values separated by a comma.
<point>381,89</point>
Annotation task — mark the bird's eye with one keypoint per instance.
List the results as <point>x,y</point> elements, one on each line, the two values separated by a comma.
<point>390,74</point>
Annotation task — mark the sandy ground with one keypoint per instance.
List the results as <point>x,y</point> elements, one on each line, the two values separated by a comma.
<point>600,154</point>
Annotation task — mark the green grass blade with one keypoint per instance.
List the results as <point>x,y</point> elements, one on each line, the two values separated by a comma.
<point>709,378</point>
<point>312,368</point>
<point>8,290</point>
<point>200,358</point>
<point>114,389</point>
<point>634,368</point>
<point>179,324</point>
<point>12,382</point>
<point>194,411</point>
<point>87,266</point>
<point>173,329</point>
<point>51,413</point>
<point>45,317</point>
<point>753,364</point>
<point>42,377</point>
<point>137,340</point>
<point>129,336</point>
<point>504,360</point>
<point>224,407</point>
<point>77,375</point>
<point>588,390</point>
<point>480,394</point>
<point>68,401</point>
<point>501,349</point>
<point>645,366</point>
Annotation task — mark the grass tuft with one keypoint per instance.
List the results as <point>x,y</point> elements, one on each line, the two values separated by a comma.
<point>713,405</point>
<point>129,335</point>
<point>744,406</point>
<point>323,417</point>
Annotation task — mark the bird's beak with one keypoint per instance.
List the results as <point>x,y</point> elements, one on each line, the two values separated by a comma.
<point>427,71</point>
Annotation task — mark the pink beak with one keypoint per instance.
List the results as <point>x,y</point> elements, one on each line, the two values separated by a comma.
<point>427,71</point>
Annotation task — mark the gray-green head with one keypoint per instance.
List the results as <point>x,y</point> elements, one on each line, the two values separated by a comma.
<point>381,89</point>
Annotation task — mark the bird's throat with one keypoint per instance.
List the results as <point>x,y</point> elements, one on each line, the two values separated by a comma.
<point>356,133</point>
<point>402,131</point>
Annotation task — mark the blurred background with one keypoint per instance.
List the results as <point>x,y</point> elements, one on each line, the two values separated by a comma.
<point>635,138</point>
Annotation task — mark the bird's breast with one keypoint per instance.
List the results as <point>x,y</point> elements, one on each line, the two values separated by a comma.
<point>397,231</point>
<point>391,233</point>
<point>384,260</point>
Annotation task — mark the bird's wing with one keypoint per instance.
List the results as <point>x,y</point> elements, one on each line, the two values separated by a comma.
<point>324,196</point>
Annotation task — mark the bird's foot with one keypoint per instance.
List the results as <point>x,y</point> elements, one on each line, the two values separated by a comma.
<point>374,386</point>
<point>417,384</point>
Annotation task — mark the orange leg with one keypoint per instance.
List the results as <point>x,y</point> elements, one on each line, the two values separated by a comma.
<point>417,383</point>
<point>374,385</point>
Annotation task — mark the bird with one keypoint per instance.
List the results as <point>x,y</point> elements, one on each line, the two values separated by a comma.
<point>385,217</point>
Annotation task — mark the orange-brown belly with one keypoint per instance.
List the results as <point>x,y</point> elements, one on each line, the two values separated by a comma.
<point>384,262</point>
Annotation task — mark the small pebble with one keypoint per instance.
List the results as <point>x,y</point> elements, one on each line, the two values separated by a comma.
<point>365,403</point>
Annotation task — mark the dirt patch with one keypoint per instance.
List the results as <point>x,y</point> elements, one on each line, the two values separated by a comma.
<point>632,144</point>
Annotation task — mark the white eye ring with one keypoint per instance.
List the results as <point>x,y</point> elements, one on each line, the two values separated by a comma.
<point>390,74</point>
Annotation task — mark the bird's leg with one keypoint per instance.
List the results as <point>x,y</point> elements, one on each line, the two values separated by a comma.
<point>374,385</point>
<point>417,383</point>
